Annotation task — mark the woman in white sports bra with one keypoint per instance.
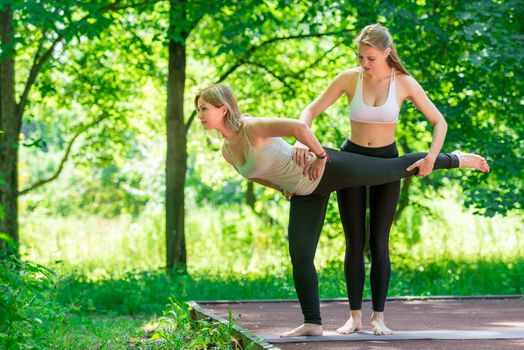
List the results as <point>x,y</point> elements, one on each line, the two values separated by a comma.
<point>375,91</point>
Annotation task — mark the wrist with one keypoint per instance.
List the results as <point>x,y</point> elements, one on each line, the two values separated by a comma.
<point>322,154</point>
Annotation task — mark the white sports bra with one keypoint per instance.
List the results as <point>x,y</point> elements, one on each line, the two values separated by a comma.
<point>386,113</point>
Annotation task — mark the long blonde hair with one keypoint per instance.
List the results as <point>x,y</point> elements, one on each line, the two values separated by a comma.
<point>221,95</point>
<point>378,36</point>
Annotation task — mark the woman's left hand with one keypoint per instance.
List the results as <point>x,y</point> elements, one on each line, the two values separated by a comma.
<point>424,165</point>
<point>314,168</point>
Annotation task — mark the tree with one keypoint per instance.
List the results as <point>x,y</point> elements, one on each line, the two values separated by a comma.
<point>51,28</point>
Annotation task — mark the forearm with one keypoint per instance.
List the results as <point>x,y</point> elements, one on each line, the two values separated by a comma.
<point>439,135</point>
<point>305,136</point>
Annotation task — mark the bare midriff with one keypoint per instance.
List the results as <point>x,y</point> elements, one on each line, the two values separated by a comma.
<point>372,134</point>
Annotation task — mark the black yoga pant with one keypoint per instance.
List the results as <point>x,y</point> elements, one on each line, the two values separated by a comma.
<point>383,201</point>
<point>307,213</point>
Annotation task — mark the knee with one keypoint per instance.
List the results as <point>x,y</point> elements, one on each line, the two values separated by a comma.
<point>355,247</point>
<point>301,257</point>
<point>379,250</point>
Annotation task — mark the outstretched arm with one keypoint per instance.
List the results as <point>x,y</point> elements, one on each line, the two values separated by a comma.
<point>337,87</point>
<point>419,98</point>
<point>262,128</point>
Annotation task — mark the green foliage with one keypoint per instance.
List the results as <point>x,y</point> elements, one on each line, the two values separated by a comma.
<point>176,329</point>
<point>28,313</point>
<point>277,56</point>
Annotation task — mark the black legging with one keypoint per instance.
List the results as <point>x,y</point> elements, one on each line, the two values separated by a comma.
<point>383,201</point>
<point>307,213</point>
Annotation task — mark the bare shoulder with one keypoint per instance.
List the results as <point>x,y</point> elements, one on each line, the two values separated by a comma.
<point>347,80</point>
<point>406,81</point>
<point>250,122</point>
<point>350,74</point>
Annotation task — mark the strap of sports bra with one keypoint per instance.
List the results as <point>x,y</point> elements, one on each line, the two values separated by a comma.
<point>393,74</point>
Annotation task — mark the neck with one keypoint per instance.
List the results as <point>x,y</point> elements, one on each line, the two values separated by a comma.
<point>227,132</point>
<point>383,72</point>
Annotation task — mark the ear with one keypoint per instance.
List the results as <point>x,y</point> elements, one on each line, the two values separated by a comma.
<point>223,109</point>
<point>387,52</point>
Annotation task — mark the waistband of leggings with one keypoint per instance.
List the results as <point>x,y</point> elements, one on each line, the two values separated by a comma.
<point>384,151</point>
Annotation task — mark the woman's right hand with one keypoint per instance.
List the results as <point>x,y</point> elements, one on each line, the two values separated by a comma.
<point>300,156</point>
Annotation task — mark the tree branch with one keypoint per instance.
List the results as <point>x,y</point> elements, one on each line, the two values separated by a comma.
<point>244,60</point>
<point>292,37</point>
<point>301,72</point>
<point>281,79</point>
<point>35,69</point>
<point>253,49</point>
<point>65,157</point>
<point>114,6</point>
<point>190,120</point>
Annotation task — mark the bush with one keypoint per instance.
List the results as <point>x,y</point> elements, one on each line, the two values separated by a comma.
<point>28,312</point>
<point>176,329</point>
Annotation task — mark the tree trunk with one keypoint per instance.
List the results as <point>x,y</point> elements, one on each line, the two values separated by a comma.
<point>10,123</point>
<point>250,195</point>
<point>176,153</point>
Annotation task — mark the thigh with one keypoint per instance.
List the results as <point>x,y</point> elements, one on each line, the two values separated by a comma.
<point>306,218</point>
<point>352,209</point>
<point>383,200</point>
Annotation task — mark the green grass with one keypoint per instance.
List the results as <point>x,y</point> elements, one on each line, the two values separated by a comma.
<point>174,329</point>
<point>146,294</point>
<point>233,241</point>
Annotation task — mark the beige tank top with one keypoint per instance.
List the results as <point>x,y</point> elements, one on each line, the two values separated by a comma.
<point>273,162</point>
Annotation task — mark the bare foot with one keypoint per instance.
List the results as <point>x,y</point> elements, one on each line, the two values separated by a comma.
<point>377,324</point>
<point>473,161</point>
<point>307,329</point>
<point>352,325</point>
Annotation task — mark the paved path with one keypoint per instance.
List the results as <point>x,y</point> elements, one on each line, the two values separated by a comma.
<point>415,318</point>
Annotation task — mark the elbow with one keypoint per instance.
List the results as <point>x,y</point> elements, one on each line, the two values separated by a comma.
<point>441,123</point>
<point>307,115</point>
<point>444,125</point>
<point>302,129</point>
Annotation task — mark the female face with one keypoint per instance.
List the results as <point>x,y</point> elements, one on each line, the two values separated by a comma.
<point>210,116</point>
<point>371,58</point>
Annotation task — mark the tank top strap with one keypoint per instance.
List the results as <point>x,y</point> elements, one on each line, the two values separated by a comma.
<point>245,132</point>
<point>226,146</point>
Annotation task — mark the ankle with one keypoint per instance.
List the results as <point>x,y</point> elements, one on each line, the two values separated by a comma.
<point>377,316</point>
<point>356,314</point>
